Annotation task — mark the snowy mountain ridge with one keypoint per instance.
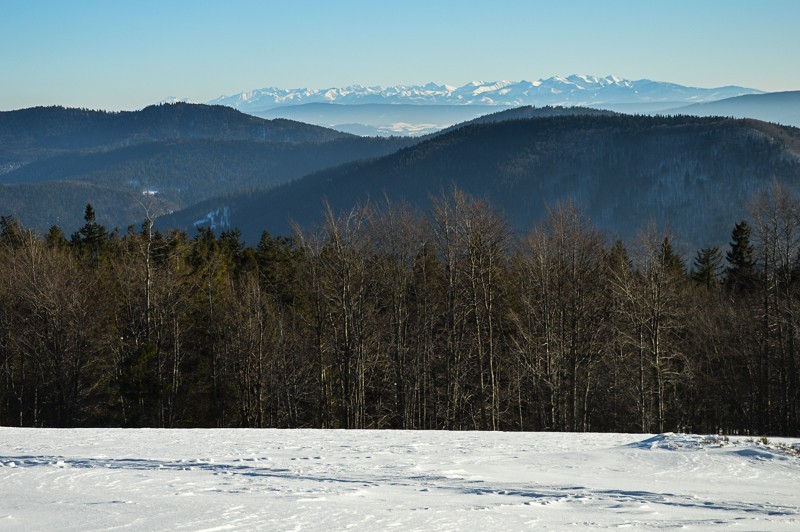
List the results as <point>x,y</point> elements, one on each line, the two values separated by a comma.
<point>574,90</point>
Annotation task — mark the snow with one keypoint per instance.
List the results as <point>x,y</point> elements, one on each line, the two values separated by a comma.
<point>216,219</point>
<point>100,479</point>
<point>557,90</point>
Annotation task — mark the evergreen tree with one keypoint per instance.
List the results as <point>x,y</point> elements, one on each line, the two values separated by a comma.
<point>277,260</point>
<point>92,238</point>
<point>617,258</point>
<point>672,263</point>
<point>11,231</point>
<point>740,275</point>
<point>707,267</point>
<point>55,239</point>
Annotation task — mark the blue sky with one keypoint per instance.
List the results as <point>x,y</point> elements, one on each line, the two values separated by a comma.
<point>117,54</point>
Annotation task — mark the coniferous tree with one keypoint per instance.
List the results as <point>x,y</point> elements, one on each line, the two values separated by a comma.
<point>671,262</point>
<point>11,231</point>
<point>55,239</point>
<point>707,267</point>
<point>92,238</point>
<point>740,274</point>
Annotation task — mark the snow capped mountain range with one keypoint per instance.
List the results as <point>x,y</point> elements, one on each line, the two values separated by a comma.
<point>421,109</point>
<point>574,90</point>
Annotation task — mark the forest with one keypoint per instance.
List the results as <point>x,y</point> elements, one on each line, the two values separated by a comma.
<point>683,172</point>
<point>382,316</point>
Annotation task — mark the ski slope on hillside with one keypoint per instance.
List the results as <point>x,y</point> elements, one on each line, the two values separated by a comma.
<point>103,479</point>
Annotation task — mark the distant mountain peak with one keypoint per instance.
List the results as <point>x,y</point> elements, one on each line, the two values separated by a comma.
<point>175,99</point>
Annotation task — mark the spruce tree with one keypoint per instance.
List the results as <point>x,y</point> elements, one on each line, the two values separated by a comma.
<point>91,238</point>
<point>55,239</point>
<point>740,275</point>
<point>672,262</point>
<point>11,232</point>
<point>707,267</point>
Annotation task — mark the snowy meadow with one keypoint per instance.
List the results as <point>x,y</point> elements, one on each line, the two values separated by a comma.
<point>102,479</point>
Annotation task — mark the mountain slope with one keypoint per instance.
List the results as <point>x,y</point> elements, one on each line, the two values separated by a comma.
<point>779,107</point>
<point>182,153</point>
<point>682,171</point>
<point>62,203</point>
<point>192,170</point>
<point>528,112</point>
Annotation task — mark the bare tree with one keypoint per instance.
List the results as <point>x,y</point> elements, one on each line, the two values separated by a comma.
<point>340,267</point>
<point>559,319</point>
<point>472,241</point>
<point>776,216</point>
<point>652,323</point>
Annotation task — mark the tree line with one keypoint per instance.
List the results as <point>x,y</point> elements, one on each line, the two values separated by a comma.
<point>385,317</point>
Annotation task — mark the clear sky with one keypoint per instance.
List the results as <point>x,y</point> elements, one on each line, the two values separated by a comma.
<point>116,54</point>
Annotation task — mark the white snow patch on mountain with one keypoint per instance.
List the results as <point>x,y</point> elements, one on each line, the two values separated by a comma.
<point>216,219</point>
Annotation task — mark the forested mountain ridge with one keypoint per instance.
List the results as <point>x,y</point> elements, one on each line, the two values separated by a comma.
<point>527,112</point>
<point>778,107</point>
<point>174,154</point>
<point>681,172</point>
<point>40,130</point>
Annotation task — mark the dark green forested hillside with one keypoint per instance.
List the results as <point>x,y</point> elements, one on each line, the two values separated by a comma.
<point>30,133</point>
<point>683,172</point>
<point>527,112</point>
<point>180,173</point>
<point>61,203</point>
<point>179,153</point>
<point>779,107</point>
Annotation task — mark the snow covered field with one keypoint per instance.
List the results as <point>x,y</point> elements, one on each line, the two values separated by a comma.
<point>95,479</point>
